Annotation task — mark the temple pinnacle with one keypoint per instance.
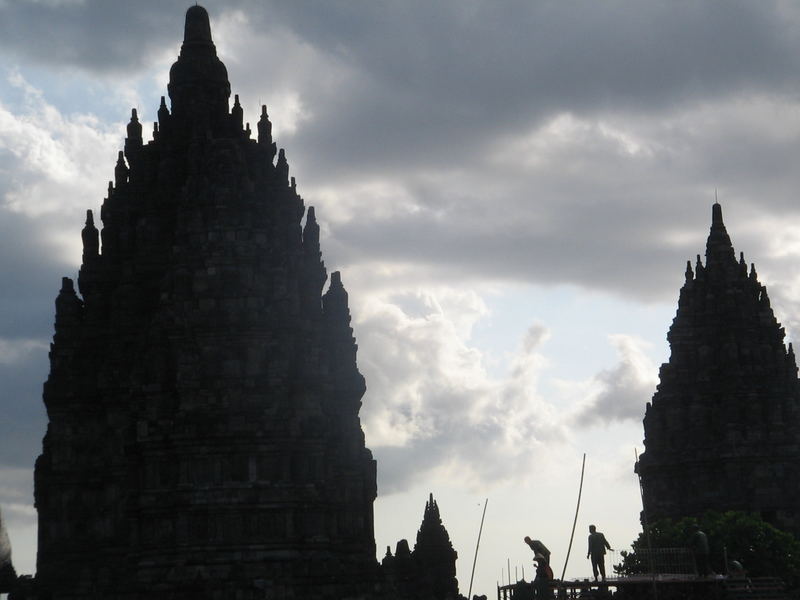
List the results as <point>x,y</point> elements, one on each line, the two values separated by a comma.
<point>716,214</point>
<point>197,28</point>
<point>718,247</point>
<point>198,80</point>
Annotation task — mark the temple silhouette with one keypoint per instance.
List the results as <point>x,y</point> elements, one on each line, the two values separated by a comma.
<point>203,435</point>
<point>203,398</point>
<point>429,571</point>
<point>721,431</point>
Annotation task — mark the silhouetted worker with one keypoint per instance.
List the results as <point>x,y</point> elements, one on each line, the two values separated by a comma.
<point>698,542</point>
<point>538,548</point>
<point>597,551</point>
<point>544,575</point>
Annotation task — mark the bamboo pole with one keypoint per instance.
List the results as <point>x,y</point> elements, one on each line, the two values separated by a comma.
<point>477,545</point>
<point>575,521</point>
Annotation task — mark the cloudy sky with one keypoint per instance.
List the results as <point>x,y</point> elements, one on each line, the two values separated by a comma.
<point>511,192</point>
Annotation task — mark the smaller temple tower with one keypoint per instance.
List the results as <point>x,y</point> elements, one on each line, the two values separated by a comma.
<point>721,431</point>
<point>434,554</point>
<point>429,571</point>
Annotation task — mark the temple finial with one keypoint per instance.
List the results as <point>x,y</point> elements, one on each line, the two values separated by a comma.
<point>91,239</point>
<point>716,214</point>
<point>264,127</point>
<point>197,27</point>
<point>282,167</point>
<point>198,81</point>
<point>133,143</point>
<point>719,249</point>
<point>121,170</point>
<point>311,234</point>
<point>163,111</point>
<point>237,113</point>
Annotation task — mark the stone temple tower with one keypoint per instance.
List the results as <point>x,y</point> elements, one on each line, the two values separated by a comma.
<point>434,555</point>
<point>203,398</point>
<point>722,430</point>
<point>429,571</point>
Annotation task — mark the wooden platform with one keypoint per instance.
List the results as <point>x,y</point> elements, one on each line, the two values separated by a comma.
<point>667,587</point>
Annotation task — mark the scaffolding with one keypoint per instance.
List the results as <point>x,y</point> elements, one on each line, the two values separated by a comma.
<point>663,566</point>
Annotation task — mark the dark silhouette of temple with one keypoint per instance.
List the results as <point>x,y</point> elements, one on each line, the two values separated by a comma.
<point>203,398</point>
<point>429,571</point>
<point>721,432</point>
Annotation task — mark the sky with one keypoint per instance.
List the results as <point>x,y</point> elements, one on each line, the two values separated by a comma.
<point>511,192</point>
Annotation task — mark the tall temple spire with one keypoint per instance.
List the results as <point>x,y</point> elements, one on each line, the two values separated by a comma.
<point>724,417</point>
<point>203,397</point>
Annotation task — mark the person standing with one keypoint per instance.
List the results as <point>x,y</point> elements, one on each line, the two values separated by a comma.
<point>597,551</point>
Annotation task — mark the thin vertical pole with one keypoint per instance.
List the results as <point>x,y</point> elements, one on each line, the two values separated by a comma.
<point>477,545</point>
<point>508,562</point>
<point>575,521</point>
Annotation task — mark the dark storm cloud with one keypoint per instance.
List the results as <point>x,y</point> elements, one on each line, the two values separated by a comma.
<point>94,35</point>
<point>447,76</point>
<point>438,81</point>
<point>509,251</point>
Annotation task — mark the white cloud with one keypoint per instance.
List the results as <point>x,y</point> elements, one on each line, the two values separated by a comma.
<point>53,167</point>
<point>57,161</point>
<point>621,392</point>
<point>431,409</point>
